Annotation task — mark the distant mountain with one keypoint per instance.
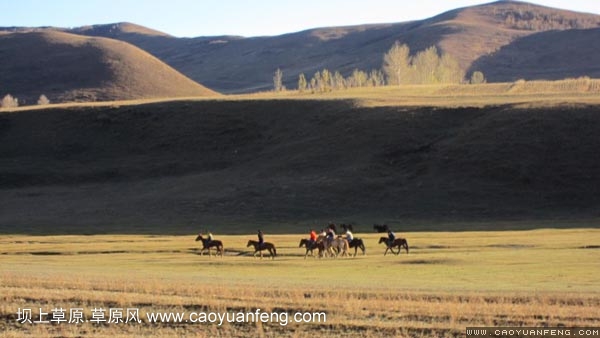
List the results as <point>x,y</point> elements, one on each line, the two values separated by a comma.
<point>478,36</point>
<point>507,40</point>
<point>69,67</point>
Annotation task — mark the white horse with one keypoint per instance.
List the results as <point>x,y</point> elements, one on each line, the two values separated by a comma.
<point>336,247</point>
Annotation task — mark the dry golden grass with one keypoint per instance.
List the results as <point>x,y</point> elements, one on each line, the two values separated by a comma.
<point>581,90</point>
<point>548,93</point>
<point>447,282</point>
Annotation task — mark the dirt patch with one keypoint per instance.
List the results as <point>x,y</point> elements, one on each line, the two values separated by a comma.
<point>428,261</point>
<point>45,253</point>
<point>590,247</point>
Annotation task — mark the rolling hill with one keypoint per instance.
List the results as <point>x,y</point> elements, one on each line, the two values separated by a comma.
<point>69,67</point>
<point>173,167</point>
<point>480,37</point>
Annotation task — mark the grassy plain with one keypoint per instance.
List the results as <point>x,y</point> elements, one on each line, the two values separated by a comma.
<point>448,281</point>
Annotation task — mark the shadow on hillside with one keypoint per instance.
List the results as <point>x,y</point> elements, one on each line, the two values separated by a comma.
<point>551,55</point>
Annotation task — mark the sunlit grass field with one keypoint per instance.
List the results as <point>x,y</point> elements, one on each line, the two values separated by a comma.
<point>529,93</point>
<point>448,281</point>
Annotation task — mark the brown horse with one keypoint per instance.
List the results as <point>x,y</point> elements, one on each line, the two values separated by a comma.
<point>207,244</point>
<point>310,246</point>
<point>259,248</point>
<point>398,242</point>
<point>356,244</point>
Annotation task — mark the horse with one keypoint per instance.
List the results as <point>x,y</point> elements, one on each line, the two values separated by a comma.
<point>398,242</point>
<point>311,246</point>
<point>357,243</point>
<point>207,244</point>
<point>337,246</point>
<point>381,228</point>
<point>347,227</point>
<point>259,248</point>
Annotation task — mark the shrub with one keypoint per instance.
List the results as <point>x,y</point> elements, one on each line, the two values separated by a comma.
<point>477,78</point>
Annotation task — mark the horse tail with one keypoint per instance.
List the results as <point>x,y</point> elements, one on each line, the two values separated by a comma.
<point>274,251</point>
<point>406,245</point>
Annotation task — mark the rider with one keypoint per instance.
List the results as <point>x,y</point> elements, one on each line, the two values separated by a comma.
<point>330,235</point>
<point>210,238</point>
<point>313,237</point>
<point>391,237</point>
<point>349,236</point>
<point>261,239</point>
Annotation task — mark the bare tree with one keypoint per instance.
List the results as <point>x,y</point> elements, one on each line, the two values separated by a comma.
<point>449,70</point>
<point>376,78</point>
<point>425,65</point>
<point>338,81</point>
<point>396,63</point>
<point>326,80</point>
<point>278,80</point>
<point>9,102</point>
<point>302,84</point>
<point>357,79</point>
<point>43,100</point>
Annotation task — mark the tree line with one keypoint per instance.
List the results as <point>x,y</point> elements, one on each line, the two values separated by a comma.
<point>398,68</point>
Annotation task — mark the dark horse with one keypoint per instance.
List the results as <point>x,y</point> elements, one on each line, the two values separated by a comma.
<point>398,242</point>
<point>311,246</point>
<point>356,244</point>
<point>381,228</point>
<point>347,227</point>
<point>207,244</point>
<point>332,227</point>
<point>265,246</point>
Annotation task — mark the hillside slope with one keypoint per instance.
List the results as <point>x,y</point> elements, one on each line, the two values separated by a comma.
<point>171,167</point>
<point>569,53</point>
<point>69,67</point>
<point>237,64</point>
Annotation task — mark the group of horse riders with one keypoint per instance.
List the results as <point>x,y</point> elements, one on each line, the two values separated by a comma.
<point>329,235</point>
<point>325,237</point>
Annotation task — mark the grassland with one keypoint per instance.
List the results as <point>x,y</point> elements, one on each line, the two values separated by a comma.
<point>448,281</point>
<point>527,93</point>
<point>512,152</point>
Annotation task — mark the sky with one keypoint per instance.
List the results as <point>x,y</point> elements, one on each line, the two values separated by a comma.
<point>191,18</point>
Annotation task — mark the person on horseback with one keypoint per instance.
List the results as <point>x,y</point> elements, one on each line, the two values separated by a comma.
<point>261,239</point>
<point>209,238</point>
<point>313,238</point>
<point>330,235</point>
<point>349,236</point>
<point>391,238</point>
